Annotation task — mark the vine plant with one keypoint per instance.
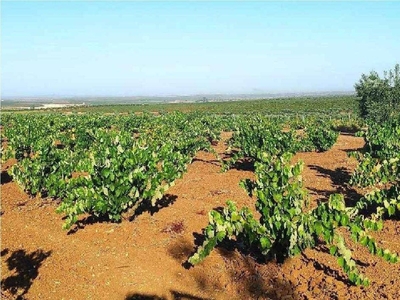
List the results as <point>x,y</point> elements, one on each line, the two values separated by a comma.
<point>286,227</point>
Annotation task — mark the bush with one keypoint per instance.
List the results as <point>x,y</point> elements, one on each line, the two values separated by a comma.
<point>379,97</point>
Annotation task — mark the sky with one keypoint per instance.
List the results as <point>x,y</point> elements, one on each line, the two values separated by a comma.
<point>181,48</point>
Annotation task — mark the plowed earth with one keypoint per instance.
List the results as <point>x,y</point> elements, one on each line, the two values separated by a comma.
<point>145,258</point>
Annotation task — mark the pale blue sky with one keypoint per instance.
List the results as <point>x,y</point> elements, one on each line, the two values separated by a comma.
<point>163,48</point>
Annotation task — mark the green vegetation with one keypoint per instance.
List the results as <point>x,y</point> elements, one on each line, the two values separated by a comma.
<point>287,226</point>
<point>104,165</point>
<point>379,167</point>
<point>109,165</point>
<point>257,135</point>
<point>299,105</point>
<point>379,97</point>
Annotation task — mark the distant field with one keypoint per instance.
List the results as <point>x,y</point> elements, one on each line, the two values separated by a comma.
<point>297,105</point>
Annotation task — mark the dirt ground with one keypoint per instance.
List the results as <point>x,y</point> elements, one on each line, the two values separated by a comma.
<point>145,258</point>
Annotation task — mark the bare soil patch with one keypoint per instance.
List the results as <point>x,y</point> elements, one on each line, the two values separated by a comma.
<point>145,258</point>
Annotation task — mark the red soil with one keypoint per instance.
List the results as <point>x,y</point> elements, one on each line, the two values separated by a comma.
<point>144,258</point>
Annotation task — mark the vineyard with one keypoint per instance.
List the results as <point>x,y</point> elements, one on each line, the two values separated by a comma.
<point>196,205</point>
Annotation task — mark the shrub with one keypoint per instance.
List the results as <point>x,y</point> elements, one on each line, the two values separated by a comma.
<point>379,97</point>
